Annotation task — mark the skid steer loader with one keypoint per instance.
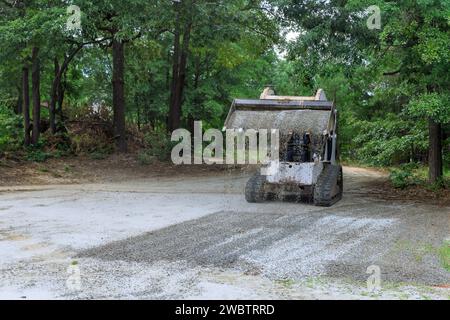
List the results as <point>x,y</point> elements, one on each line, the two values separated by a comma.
<point>307,168</point>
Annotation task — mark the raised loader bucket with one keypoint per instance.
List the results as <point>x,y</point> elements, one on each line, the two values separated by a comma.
<point>287,114</point>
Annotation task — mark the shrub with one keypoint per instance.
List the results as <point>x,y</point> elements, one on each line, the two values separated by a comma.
<point>400,179</point>
<point>446,155</point>
<point>145,159</point>
<point>389,141</point>
<point>57,142</point>
<point>98,155</point>
<point>10,130</point>
<point>157,145</point>
<point>89,143</point>
<point>38,155</point>
<point>405,175</point>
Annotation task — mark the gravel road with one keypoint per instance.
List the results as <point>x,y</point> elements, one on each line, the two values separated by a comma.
<point>196,237</point>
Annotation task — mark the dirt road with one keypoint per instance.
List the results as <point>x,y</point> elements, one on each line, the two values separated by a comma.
<point>196,237</point>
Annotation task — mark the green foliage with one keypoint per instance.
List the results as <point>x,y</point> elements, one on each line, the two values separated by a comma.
<point>444,253</point>
<point>144,158</point>
<point>404,176</point>
<point>431,106</point>
<point>386,83</point>
<point>158,145</point>
<point>37,152</point>
<point>388,141</point>
<point>37,155</point>
<point>10,129</point>
<point>58,143</point>
<point>90,143</point>
<point>99,155</point>
<point>400,179</point>
<point>415,174</point>
<point>446,158</point>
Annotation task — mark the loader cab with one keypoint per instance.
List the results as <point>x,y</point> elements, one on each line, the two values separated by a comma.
<point>298,148</point>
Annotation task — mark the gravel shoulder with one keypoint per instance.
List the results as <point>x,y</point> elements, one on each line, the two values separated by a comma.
<point>193,236</point>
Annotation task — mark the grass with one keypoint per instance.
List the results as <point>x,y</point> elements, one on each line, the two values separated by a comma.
<point>419,251</point>
<point>98,155</point>
<point>417,174</point>
<point>145,158</point>
<point>54,174</point>
<point>287,283</point>
<point>37,155</point>
<point>43,170</point>
<point>412,174</point>
<point>347,285</point>
<point>422,173</point>
<point>444,254</point>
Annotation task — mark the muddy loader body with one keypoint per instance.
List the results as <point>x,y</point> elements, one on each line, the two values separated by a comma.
<point>307,168</point>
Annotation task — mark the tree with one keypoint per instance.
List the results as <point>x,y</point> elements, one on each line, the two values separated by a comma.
<point>36,94</point>
<point>417,36</point>
<point>26,105</point>
<point>182,35</point>
<point>204,32</point>
<point>407,60</point>
<point>25,31</point>
<point>122,22</point>
<point>435,107</point>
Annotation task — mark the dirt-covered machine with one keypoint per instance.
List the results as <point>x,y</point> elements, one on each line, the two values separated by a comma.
<point>308,166</point>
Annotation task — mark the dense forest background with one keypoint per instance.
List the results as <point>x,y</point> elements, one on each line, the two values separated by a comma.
<point>98,77</point>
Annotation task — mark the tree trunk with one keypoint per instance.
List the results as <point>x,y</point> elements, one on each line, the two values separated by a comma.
<point>119,95</point>
<point>174,113</point>
<point>183,65</point>
<point>57,92</point>
<point>435,153</point>
<point>35,80</point>
<point>26,104</point>
<point>179,76</point>
<point>54,97</point>
<point>61,92</point>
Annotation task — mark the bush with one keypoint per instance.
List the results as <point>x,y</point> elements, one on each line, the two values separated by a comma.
<point>157,146</point>
<point>10,130</point>
<point>59,142</point>
<point>404,176</point>
<point>389,141</point>
<point>400,179</point>
<point>38,155</point>
<point>89,143</point>
<point>145,159</point>
<point>98,155</point>
<point>446,155</point>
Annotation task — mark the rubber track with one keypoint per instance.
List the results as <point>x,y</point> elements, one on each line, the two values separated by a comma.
<point>324,186</point>
<point>254,189</point>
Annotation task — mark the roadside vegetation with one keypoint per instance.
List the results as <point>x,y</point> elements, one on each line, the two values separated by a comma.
<point>133,71</point>
<point>444,252</point>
